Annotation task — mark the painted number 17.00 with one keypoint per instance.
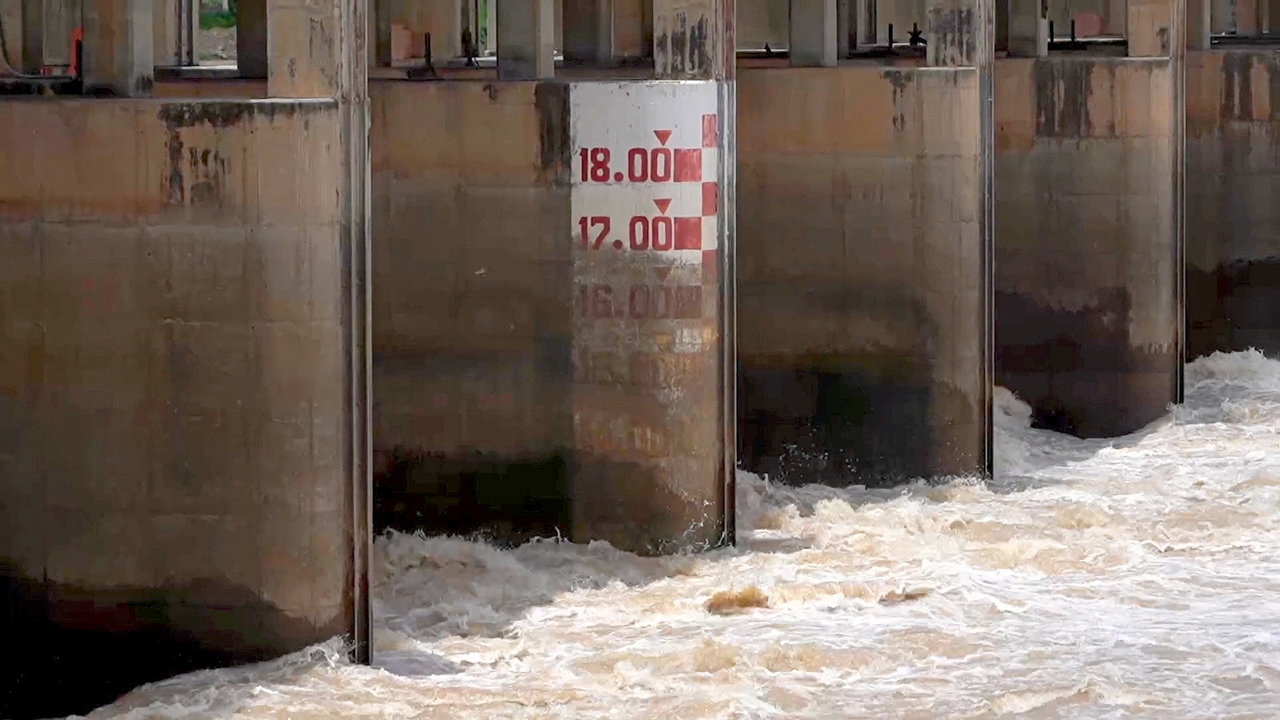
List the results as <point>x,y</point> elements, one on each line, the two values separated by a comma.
<point>643,233</point>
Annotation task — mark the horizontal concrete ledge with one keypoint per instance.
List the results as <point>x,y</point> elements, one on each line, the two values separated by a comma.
<point>1245,42</point>
<point>903,70</point>
<point>1153,62</point>
<point>253,105</point>
<point>200,72</point>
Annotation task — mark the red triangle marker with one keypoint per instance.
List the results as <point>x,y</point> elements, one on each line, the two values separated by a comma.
<point>663,136</point>
<point>663,272</point>
<point>663,204</point>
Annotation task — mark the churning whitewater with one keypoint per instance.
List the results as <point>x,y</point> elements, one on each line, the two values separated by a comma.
<point>1137,576</point>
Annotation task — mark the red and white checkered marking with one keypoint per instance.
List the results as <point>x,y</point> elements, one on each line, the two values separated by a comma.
<point>635,118</point>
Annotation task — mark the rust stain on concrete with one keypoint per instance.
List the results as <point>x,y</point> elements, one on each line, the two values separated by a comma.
<point>688,45</point>
<point>900,82</point>
<point>1062,91</point>
<point>954,30</point>
<point>1237,87</point>
<point>552,102</point>
<point>208,169</point>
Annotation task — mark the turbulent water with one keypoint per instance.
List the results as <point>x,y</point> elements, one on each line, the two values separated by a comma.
<point>1131,577</point>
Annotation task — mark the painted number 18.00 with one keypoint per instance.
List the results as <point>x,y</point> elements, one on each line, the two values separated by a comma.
<point>643,233</point>
<point>643,165</point>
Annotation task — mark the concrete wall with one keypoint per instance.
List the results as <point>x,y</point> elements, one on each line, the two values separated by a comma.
<point>861,316</point>
<point>174,415</point>
<point>1233,201</point>
<point>762,22</point>
<point>482,359</point>
<point>473,309</point>
<point>1086,248</point>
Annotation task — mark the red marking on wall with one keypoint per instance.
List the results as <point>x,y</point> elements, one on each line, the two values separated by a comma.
<point>599,301</point>
<point>663,136</point>
<point>710,198</point>
<point>642,165</point>
<point>688,233</point>
<point>710,131</point>
<point>592,231</point>
<point>659,233</point>
<point>688,164</point>
<point>643,369</point>
<point>663,272</point>
<point>77,38</point>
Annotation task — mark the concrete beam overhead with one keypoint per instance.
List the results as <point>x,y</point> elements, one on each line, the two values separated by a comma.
<point>1028,28</point>
<point>588,30</point>
<point>119,37</point>
<point>526,39</point>
<point>814,33</point>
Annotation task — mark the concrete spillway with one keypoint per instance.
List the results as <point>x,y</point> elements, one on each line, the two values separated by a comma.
<point>244,330</point>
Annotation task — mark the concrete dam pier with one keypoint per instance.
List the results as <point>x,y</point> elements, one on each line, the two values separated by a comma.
<point>558,267</point>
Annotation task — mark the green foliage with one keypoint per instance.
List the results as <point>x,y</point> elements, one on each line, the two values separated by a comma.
<point>217,19</point>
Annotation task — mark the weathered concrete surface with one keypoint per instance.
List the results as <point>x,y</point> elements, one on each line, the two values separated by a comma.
<point>472,306</point>
<point>119,38</point>
<point>474,381</point>
<point>175,407</point>
<point>1240,17</point>
<point>50,24</point>
<point>12,18</point>
<point>1154,28</point>
<point>1086,244</point>
<point>763,22</point>
<point>476,316</point>
<point>238,89</point>
<point>1233,201</point>
<point>814,40</point>
<point>694,39</point>
<point>861,314</point>
<point>165,28</point>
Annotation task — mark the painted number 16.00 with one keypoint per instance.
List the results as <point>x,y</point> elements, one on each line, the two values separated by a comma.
<point>643,233</point>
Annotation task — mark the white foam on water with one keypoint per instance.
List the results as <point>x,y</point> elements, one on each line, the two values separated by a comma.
<point>1131,577</point>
